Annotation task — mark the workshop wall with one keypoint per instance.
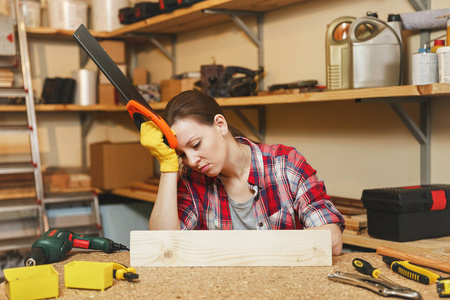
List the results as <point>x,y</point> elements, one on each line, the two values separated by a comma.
<point>353,146</point>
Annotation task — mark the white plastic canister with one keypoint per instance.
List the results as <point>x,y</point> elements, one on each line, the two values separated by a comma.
<point>86,87</point>
<point>105,14</point>
<point>443,54</point>
<point>32,12</point>
<point>67,14</point>
<point>424,68</point>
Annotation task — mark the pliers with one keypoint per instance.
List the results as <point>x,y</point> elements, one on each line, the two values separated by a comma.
<point>380,287</point>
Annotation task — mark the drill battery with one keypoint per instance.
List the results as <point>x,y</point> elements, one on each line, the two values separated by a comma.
<point>408,213</point>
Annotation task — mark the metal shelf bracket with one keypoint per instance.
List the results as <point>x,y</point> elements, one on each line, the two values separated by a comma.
<point>421,132</point>
<point>170,55</point>
<point>259,132</point>
<point>257,39</point>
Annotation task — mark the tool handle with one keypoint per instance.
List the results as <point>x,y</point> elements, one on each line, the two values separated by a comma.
<point>409,273</point>
<point>138,113</point>
<point>365,267</point>
<point>415,259</point>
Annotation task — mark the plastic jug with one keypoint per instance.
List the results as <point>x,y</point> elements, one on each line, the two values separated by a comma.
<point>375,54</point>
<point>338,53</point>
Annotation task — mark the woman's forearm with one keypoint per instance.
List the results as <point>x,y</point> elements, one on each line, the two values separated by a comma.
<point>165,212</point>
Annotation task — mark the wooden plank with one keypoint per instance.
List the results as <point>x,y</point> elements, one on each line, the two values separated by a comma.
<point>190,18</point>
<point>436,245</point>
<point>230,248</point>
<point>348,210</point>
<point>144,187</point>
<point>135,194</point>
<point>437,89</point>
<point>357,203</point>
<point>355,221</point>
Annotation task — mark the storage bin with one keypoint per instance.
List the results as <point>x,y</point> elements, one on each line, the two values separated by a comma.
<point>37,282</point>
<point>88,275</point>
<point>67,14</point>
<point>32,12</point>
<point>408,213</point>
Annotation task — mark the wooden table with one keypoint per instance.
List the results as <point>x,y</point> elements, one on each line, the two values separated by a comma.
<point>364,240</point>
<point>236,282</point>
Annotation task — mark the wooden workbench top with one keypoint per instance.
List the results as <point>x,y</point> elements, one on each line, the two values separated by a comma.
<point>236,282</point>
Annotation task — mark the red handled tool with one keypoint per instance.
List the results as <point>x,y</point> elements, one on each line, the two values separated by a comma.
<point>139,110</point>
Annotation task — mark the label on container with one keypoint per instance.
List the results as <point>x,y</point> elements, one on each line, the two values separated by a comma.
<point>424,68</point>
<point>444,67</point>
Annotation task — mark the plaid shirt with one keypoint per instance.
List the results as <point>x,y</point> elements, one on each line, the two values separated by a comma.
<point>288,193</point>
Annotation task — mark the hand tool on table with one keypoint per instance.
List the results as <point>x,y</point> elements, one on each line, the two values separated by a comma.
<point>415,259</point>
<point>122,272</point>
<point>381,287</point>
<point>139,110</point>
<point>411,271</point>
<point>443,287</point>
<point>366,268</point>
<point>55,243</point>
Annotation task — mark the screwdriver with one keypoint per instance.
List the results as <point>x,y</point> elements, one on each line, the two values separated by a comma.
<point>366,268</point>
<point>411,271</point>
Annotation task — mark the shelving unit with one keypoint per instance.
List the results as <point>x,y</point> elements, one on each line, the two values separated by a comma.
<point>194,17</point>
<point>405,93</point>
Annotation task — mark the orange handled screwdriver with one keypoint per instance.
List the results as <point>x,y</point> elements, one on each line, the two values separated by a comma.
<point>366,268</point>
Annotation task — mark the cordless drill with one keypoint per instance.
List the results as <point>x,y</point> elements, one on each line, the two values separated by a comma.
<point>55,243</point>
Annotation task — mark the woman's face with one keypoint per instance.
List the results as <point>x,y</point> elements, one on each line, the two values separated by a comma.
<point>202,147</point>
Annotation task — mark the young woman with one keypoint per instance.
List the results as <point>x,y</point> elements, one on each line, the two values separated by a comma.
<point>225,181</point>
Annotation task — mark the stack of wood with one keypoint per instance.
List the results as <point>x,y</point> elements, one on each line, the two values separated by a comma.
<point>145,190</point>
<point>21,186</point>
<point>354,213</point>
<point>65,180</point>
<point>6,78</point>
<point>15,186</point>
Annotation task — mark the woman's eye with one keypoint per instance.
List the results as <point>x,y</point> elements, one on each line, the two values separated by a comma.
<point>196,145</point>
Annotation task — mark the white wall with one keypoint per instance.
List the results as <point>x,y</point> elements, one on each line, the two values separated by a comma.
<point>353,146</point>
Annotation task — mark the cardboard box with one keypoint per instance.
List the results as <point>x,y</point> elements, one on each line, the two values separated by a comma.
<point>115,49</point>
<point>107,94</point>
<point>172,87</point>
<point>140,76</point>
<point>102,78</point>
<point>116,165</point>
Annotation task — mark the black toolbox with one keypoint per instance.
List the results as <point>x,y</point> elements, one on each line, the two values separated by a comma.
<point>408,213</point>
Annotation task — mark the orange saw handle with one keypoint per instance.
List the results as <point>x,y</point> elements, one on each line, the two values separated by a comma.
<point>138,111</point>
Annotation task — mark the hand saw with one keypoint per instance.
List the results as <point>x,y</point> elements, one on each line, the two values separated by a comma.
<point>139,110</point>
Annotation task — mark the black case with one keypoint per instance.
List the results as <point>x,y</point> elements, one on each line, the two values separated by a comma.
<point>58,90</point>
<point>145,10</point>
<point>126,15</point>
<point>408,213</point>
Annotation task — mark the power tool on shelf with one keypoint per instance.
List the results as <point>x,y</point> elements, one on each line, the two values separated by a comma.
<point>55,243</point>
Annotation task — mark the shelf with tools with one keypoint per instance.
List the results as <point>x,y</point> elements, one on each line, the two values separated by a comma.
<point>392,93</point>
<point>178,21</point>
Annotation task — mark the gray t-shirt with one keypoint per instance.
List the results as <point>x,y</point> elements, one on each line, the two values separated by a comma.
<point>242,216</point>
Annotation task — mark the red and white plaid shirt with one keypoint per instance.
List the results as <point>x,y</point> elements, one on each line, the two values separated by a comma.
<point>288,193</point>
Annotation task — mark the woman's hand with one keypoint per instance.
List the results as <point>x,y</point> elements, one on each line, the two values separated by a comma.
<point>152,138</point>
<point>336,237</point>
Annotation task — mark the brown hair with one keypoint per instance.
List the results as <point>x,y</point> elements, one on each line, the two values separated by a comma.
<point>197,106</point>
